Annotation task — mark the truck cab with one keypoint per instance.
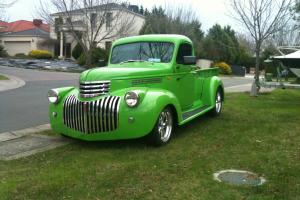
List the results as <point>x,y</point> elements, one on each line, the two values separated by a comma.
<point>150,86</point>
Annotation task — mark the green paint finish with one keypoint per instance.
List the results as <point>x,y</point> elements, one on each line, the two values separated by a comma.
<point>185,88</point>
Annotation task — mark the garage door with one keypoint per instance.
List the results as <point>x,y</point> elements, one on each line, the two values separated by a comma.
<point>17,47</point>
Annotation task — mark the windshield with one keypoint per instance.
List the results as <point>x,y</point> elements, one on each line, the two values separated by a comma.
<point>160,52</point>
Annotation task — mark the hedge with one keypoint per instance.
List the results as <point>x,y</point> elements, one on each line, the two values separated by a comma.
<point>40,54</point>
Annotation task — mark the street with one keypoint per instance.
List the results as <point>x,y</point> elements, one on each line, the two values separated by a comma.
<point>28,106</point>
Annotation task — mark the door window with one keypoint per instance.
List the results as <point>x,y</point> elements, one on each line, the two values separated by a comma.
<point>184,50</point>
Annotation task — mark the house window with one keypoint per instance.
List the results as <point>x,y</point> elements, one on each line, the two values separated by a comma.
<point>93,19</point>
<point>108,45</point>
<point>108,20</point>
<point>184,50</point>
<point>57,23</point>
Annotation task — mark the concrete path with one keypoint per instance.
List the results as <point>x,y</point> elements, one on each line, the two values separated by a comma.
<point>13,82</point>
<point>26,142</point>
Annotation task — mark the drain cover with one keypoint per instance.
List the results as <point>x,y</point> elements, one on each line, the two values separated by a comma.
<point>239,177</point>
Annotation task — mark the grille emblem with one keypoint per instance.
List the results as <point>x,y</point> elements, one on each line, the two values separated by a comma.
<point>94,88</point>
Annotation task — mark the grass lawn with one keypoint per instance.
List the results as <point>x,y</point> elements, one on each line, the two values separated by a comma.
<point>256,134</point>
<point>3,77</point>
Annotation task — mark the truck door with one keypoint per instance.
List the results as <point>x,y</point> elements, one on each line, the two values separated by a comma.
<point>185,79</point>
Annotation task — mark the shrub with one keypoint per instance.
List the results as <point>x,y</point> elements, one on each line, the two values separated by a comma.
<point>77,51</point>
<point>40,54</point>
<point>81,60</point>
<point>3,52</point>
<point>97,54</point>
<point>224,68</point>
<point>21,56</point>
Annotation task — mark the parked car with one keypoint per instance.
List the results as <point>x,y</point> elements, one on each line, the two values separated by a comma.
<point>151,84</point>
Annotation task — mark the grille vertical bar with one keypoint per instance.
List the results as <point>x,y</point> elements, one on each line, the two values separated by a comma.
<point>92,117</point>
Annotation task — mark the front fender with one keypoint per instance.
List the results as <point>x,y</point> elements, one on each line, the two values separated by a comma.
<point>152,102</point>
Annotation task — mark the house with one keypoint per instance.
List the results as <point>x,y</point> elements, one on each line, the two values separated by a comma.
<point>23,36</point>
<point>84,21</point>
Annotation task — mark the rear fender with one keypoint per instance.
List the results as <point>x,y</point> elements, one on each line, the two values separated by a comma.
<point>211,86</point>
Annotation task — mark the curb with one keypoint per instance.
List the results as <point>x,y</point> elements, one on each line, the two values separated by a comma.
<point>13,83</point>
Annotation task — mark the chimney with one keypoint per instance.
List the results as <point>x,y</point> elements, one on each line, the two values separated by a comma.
<point>37,22</point>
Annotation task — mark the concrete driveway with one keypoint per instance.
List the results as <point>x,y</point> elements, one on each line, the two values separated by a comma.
<point>28,106</point>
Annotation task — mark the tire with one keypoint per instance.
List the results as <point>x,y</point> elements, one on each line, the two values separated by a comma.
<point>163,129</point>
<point>218,104</point>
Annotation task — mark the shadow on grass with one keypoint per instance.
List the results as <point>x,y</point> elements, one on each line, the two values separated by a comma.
<point>142,143</point>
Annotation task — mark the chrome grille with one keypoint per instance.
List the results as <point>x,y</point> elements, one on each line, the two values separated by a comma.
<point>92,117</point>
<point>94,88</point>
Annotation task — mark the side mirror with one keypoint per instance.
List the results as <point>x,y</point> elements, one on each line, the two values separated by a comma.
<point>189,60</point>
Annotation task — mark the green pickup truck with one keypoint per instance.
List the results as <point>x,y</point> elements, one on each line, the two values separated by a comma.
<point>150,86</point>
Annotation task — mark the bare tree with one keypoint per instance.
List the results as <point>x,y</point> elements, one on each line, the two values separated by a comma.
<point>290,36</point>
<point>43,10</point>
<point>90,22</point>
<point>5,4</point>
<point>262,19</point>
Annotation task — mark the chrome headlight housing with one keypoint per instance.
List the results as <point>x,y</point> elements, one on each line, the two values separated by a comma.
<point>132,99</point>
<point>53,96</point>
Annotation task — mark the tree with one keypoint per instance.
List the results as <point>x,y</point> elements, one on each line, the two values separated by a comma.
<point>99,20</point>
<point>262,19</point>
<point>221,44</point>
<point>141,10</point>
<point>296,9</point>
<point>5,4</point>
<point>290,36</point>
<point>174,21</point>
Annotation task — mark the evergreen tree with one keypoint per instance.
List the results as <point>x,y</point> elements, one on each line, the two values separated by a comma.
<point>221,44</point>
<point>141,10</point>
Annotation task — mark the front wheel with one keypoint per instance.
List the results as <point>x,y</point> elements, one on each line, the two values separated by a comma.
<point>162,132</point>
<point>218,104</point>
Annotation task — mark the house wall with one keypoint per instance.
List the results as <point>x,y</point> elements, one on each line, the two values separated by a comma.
<point>137,22</point>
<point>23,44</point>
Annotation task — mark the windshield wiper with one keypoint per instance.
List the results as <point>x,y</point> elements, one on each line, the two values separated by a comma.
<point>128,61</point>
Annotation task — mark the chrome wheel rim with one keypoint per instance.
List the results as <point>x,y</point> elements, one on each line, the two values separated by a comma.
<point>165,123</point>
<point>218,102</point>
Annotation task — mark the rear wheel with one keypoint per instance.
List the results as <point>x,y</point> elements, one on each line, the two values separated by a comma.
<point>162,132</point>
<point>218,104</point>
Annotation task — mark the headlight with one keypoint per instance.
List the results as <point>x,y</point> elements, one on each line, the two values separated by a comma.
<point>53,96</point>
<point>132,99</point>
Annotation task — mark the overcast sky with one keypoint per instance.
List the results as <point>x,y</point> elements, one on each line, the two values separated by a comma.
<point>208,11</point>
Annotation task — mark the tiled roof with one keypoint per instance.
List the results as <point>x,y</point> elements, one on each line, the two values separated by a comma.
<point>22,25</point>
<point>3,24</point>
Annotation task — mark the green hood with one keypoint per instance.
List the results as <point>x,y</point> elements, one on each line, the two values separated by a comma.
<point>123,72</point>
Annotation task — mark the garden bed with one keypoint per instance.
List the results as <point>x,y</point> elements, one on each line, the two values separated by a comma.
<point>54,65</point>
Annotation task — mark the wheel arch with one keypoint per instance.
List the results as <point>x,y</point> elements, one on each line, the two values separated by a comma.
<point>174,112</point>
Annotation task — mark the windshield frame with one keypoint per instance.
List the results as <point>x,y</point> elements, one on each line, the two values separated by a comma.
<point>168,42</point>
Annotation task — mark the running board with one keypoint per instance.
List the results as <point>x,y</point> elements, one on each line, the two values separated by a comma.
<point>189,115</point>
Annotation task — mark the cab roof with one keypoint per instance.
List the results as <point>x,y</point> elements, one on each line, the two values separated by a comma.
<point>153,38</point>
